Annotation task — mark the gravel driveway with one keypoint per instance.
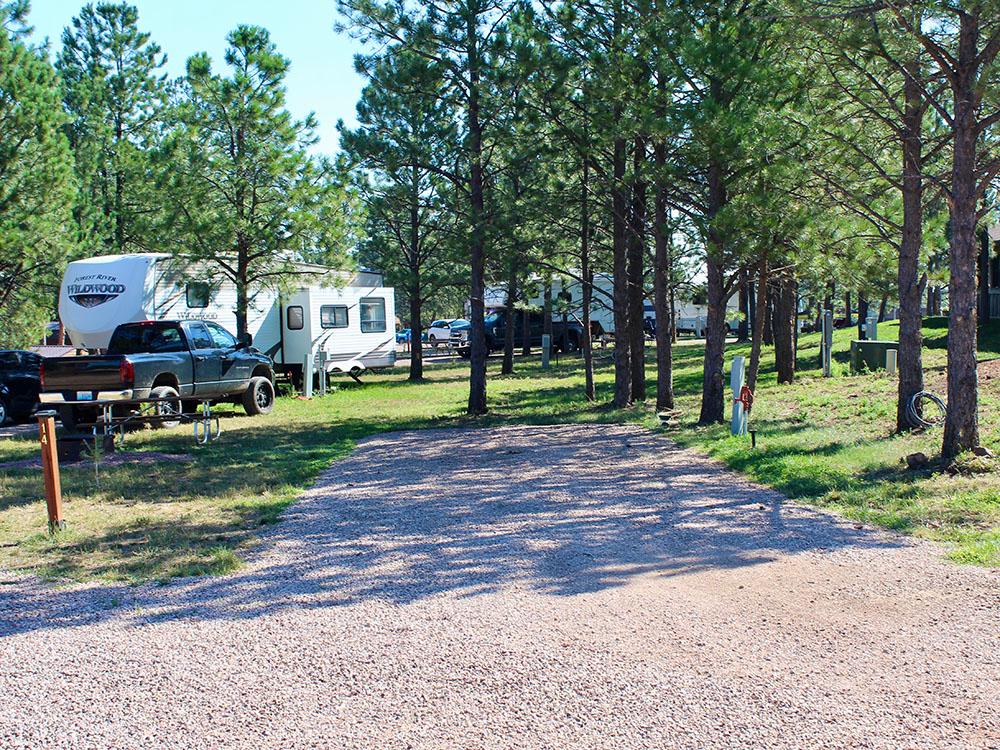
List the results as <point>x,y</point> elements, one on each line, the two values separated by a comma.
<point>529,587</point>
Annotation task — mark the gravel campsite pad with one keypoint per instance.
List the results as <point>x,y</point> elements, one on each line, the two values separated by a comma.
<point>522,587</point>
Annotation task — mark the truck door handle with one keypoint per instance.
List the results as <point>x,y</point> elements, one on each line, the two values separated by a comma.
<point>200,358</point>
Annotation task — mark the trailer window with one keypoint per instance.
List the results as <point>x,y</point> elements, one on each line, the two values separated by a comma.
<point>372,315</point>
<point>197,294</point>
<point>333,316</point>
<point>295,320</point>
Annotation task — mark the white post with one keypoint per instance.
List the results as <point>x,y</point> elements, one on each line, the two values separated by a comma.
<point>890,361</point>
<point>871,330</point>
<point>736,379</point>
<point>827,343</point>
<point>322,372</point>
<point>307,376</point>
<point>546,350</point>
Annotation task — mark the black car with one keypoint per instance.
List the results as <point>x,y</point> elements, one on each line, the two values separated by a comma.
<point>19,384</point>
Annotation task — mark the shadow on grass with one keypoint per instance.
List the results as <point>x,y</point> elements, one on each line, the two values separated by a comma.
<point>389,524</point>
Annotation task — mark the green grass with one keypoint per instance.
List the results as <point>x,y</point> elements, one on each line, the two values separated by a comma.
<point>824,441</point>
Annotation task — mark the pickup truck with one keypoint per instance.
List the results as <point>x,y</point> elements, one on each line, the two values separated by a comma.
<point>565,338</point>
<point>188,360</point>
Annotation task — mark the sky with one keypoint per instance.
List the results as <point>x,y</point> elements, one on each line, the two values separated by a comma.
<point>321,78</point>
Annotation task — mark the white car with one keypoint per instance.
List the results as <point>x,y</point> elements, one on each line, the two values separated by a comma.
<point>440,331</point>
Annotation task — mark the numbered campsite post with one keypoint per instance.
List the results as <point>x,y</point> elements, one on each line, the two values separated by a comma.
<point>50,470</point>
<point>736,380</point>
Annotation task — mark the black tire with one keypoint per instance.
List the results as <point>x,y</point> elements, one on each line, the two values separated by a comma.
<point>258,397</point>
<point>168,407</point>
<point>4,412</point>
<point>570,344</point>
<point>433,341</point>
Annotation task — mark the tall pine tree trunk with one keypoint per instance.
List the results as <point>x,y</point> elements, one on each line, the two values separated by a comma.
<point>525,332</point>
<point>507,367</point>
<point>416,293</point>
<point>661,284</point>
<point>636,287</point>
<point>623,378</point>
<point>477,331</point>
<point>757,335</point>
<point>961,426</point>
<point>743,330</point>
<point>713,387</point>
<point>785,318</point>
<point>587,275</point>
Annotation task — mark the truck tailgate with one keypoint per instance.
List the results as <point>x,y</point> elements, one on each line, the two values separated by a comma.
<point>82,373</point>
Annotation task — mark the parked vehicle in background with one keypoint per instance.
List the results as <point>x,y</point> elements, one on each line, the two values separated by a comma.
<point>171,359</point>
<point>403,336</point>
<point>565,337</point>
<point>20,384</point>
<point>439,331</point>
<point>347,316</point>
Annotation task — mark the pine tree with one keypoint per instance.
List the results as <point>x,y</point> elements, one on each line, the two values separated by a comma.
<point>245,195</point>
<point>37,186</point>
<point>116,94</point>
<point>405,128</point>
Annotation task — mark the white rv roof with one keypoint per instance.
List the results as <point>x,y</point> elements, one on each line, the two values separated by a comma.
<point>113,258</point>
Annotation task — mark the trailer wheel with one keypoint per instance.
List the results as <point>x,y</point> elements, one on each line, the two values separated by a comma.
<point>258,398</point>
<point>166,408</point>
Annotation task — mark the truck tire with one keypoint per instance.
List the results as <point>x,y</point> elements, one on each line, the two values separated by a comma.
<point>4,412</point>
<point>258,398</point>
<point>570,343</point>
<point>169,407</point>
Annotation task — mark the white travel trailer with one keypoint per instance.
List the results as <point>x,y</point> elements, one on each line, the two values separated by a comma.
<point>345,319</point>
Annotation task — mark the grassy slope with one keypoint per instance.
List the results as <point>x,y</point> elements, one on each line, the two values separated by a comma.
<point>824,441</point>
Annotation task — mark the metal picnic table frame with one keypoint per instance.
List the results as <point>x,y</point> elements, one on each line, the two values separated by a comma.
<point>205,424</point>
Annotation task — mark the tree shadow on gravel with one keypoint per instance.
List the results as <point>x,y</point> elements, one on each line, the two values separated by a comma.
<point>560,510</point>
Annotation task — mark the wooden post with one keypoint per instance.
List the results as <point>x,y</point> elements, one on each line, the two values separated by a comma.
<point>50,469</point>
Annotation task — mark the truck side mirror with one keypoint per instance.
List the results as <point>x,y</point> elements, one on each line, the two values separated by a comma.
<point>244,341</point>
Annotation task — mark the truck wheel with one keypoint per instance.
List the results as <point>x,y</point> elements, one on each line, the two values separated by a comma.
<point>4,412</point>
<point>570,344</point>
<point>167,407</point>
<point>258,397</point>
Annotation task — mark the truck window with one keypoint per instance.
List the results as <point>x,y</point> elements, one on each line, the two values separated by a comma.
<point>294,318</point>
<point>200,337</point>
<point>372,315</point>
<point>139,339</point>
<point>222,338</point>
<point>197,294</point>
<point>333,316</point>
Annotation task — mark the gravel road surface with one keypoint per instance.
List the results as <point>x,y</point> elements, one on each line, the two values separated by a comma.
<point>523,587</point>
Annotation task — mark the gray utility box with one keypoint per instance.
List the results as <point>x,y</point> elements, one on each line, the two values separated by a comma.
<point>870,355</point>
